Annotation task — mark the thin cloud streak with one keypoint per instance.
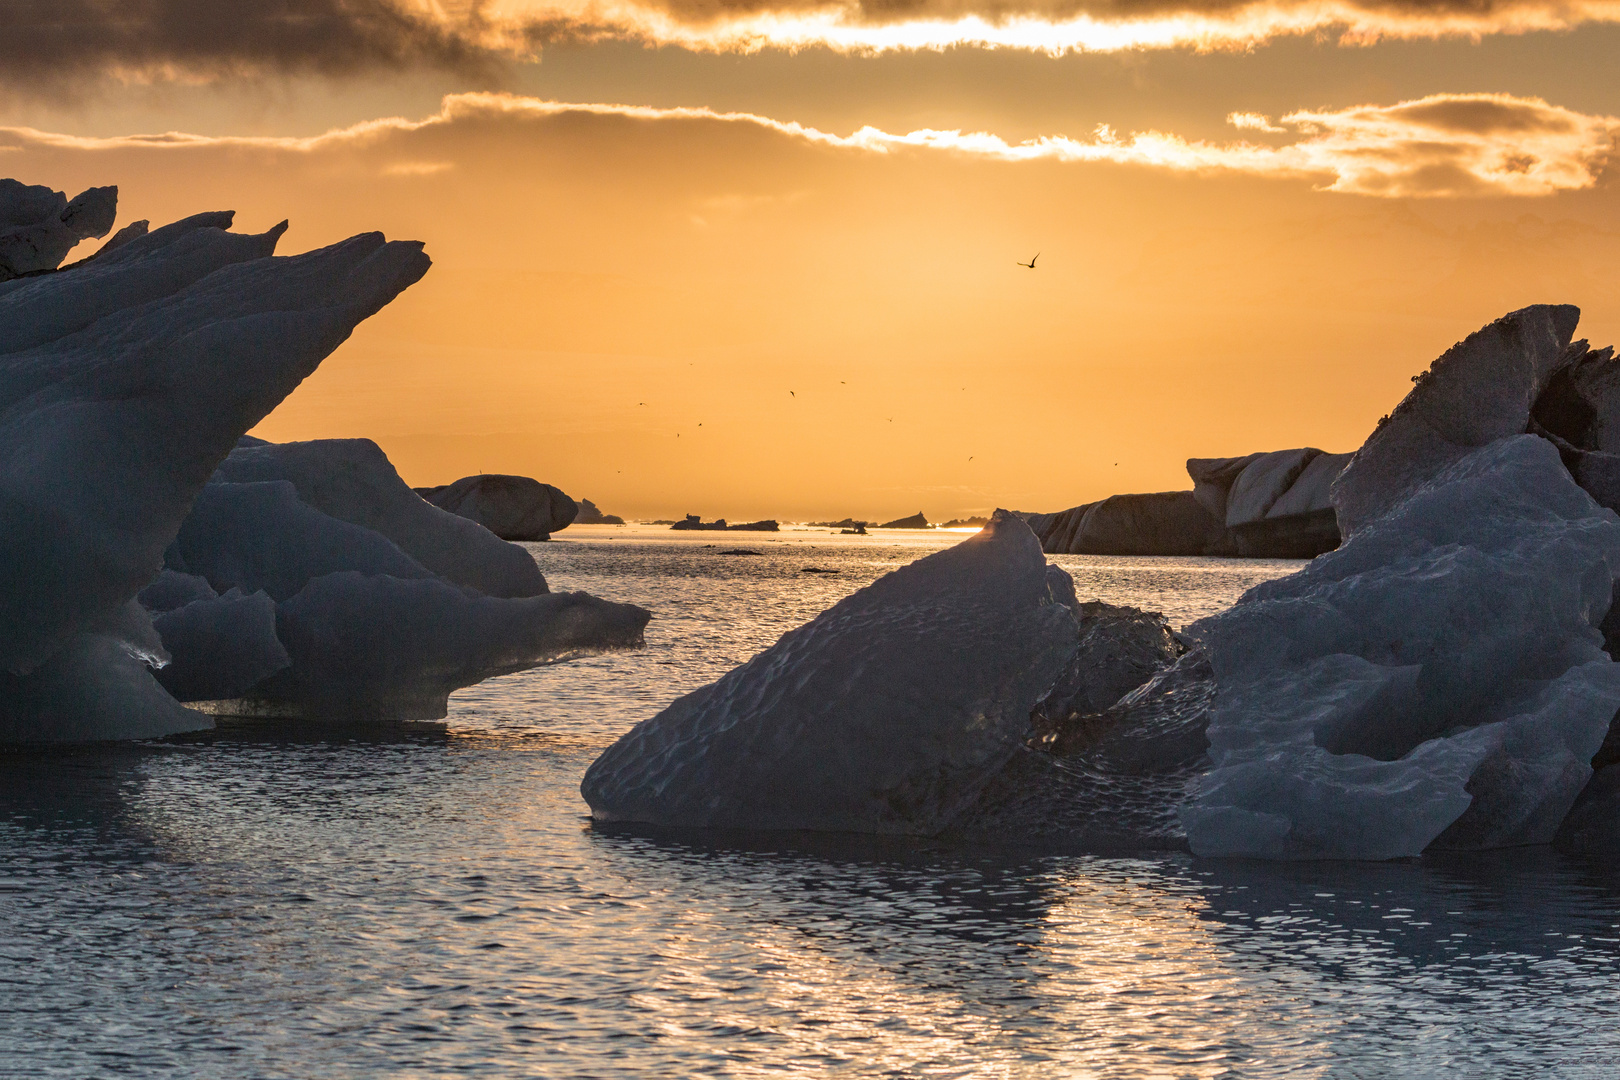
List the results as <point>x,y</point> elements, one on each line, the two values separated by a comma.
<point>1444,145</point>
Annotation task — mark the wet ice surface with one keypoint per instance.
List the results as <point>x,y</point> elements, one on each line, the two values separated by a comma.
<point>437,904</point>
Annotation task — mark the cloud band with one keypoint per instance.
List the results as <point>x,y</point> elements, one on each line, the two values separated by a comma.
<point>1444,145</point>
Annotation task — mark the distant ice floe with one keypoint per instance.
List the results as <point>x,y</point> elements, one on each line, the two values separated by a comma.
<point>126,381</point>
<point>1442,680</point>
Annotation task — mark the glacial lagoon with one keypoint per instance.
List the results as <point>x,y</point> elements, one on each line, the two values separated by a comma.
<point>434,901</point>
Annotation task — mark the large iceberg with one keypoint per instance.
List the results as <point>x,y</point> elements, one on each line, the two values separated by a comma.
<point>126,380</point>
<point>1439,679</point>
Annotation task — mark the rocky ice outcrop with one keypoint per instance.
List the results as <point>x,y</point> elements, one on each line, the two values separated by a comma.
<point>915,521</point>
<point>1272,505</point>
<point>511,507</point>
<point>886,713</point>
<point>125,381</point>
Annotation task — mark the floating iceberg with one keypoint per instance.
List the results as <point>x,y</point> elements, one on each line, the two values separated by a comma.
<point>886,713</point>
<point>1439,678</point>
<point>126,381</point>
<point>511,507</point>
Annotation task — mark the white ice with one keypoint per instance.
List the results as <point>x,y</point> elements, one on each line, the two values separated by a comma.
<point>1439,679</point>
<point>220,647</point>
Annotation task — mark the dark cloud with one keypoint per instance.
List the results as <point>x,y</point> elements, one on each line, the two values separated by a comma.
<point>1481,116</point>
<point>47,42</point>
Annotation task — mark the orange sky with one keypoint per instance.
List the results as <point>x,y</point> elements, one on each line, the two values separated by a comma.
<point>1260,253</point>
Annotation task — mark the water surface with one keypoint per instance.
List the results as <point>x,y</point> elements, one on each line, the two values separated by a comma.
<point>345,903</point>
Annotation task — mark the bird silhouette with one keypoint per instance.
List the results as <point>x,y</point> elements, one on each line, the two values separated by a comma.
<point>641,403</point>
<point>1031,263</point>
<point>792,394</point>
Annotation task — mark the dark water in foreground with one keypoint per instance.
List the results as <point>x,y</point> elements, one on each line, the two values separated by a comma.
<point>339,903</point>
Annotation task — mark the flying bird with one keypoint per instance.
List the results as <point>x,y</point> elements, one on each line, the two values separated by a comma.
<point>1031,263</point>
<point>792,394</point>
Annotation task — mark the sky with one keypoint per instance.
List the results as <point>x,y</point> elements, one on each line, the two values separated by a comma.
<point>759,258</point>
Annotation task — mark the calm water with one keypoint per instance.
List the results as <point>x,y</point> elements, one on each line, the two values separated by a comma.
<point>338,904</point>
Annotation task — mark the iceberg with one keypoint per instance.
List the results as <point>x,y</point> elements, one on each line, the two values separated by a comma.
<point>38,226</point>
<point>885,714</point>
<point>384,648</point>
<point>352,480</point>
<point>511,507</point>
<point>261,536</point>
<point>127,382</point>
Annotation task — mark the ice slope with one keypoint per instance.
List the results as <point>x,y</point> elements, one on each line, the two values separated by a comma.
<point>262,536</point>
<point>1438,680</point>
<point>352,480</point>
<point>1482,389</point>
<point>886,713</point>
